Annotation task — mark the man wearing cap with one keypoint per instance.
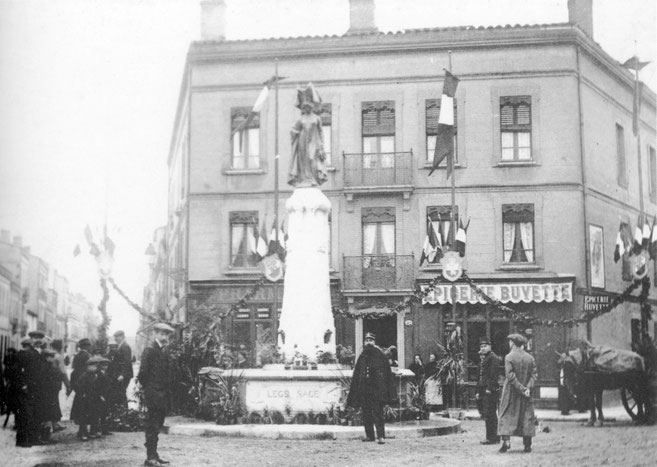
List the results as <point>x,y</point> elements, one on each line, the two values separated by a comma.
<point>488,394</point>
<point>516,413</point>
<point>155,380</point>
<point>372,387</point>
<point>122,363</point>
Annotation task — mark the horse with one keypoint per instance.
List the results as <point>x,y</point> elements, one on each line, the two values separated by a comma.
<point>586,384</point>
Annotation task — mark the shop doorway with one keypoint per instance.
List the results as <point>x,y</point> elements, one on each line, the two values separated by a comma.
<point>385,330</point>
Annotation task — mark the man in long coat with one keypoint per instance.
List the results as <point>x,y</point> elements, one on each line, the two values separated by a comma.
<point>488,389</point>
<point>372,386</point>
<point>516,412</point>
<point>123,363</point>
<point>155,380</point>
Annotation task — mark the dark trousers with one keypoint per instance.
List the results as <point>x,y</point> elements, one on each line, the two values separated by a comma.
<point>489,414</point>
<point>121,396</point>
<point>373,417</point>
<point>27,425</point>
<point>154,422</point>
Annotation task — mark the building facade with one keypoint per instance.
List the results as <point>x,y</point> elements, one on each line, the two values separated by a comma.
<point>546,168</point>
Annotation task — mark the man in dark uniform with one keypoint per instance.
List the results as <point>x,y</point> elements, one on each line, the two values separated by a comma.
<point>122,363</point>
<point>30,368</point>
<point>154,378</point>
<point>372,386</point>
<point>488,389</point>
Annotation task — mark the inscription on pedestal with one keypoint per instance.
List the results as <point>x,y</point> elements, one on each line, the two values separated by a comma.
<point>297,396</point>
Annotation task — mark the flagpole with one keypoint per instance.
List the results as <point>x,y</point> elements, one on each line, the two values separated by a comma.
<point>276,158</point>
<point>452,218</point>
<point>637,99</point>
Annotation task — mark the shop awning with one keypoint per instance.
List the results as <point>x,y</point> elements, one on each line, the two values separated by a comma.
<point>505,293</point>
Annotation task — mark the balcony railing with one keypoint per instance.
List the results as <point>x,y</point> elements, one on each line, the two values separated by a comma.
<point>383,272</point>
<point>377,169</point>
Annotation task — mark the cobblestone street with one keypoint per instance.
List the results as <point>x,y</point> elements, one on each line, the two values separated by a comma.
<point>618,443</point>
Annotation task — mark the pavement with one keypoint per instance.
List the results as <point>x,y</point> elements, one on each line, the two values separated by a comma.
<point>437,425</point>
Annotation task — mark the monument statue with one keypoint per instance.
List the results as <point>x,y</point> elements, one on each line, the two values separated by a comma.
<point>307,164</point>
<point>307,326</point>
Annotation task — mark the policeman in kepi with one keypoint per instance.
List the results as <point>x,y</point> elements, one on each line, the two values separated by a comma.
<point>488,389</point>
<point>155,380</point>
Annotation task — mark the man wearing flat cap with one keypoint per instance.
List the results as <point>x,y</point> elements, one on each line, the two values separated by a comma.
<point>154,378</point>
<point>372,386</point>
<point>516,413</point>
<point>122,363</point>
<point>488,389</point>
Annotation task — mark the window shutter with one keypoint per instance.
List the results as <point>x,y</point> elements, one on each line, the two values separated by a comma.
<point>517,213</point>
<point>239,114</point>
<point>515,113</point>
<point>382,214</point>
<point>432,112</point>
<point>243,217</point>
<point>378,118</point>
<point>442,213</point>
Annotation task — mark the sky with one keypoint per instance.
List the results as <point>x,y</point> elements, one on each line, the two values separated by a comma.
<point>88,95</point>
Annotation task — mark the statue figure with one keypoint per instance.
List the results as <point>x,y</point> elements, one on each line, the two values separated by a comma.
<point>307,166</point>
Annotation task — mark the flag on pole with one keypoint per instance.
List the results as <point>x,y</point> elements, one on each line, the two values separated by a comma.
<point>461,235</point>
<point>261,245</point>
<point>445,136</point>
<point>77,250</point>
<point>647,232</point>
<point>109,246</point>
<point>638,236</point>
<point>260,101</point>
<point>431,245</point>
<point>277,246</point>
<point>635,64</point>
<point>652,248</point>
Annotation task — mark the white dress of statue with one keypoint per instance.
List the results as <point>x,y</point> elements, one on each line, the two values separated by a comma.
<point>307,326</point>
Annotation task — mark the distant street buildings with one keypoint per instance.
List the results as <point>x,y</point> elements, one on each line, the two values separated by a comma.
<point>35,296</point>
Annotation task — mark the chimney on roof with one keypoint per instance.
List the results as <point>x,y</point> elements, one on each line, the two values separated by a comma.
<point>580,14</point>
<point>18,241</point>
<point>361,17</point>
<point>213,20</point>
<point>5,236</point>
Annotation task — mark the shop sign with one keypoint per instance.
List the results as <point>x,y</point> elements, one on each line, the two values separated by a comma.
<point>596,302</point>
<point>317,396</point>
<point>505,293</point>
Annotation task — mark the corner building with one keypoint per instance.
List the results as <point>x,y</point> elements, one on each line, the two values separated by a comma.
<point>545,156</point>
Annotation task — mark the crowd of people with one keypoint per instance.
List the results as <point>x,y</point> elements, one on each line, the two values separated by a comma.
<point>33,377</point>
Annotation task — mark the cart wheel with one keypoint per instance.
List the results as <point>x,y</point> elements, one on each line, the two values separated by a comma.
<point>633,403</point>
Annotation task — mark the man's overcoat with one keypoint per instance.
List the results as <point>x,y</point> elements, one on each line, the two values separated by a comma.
<point>372,379</point>
<point>154,377</point>
<point>516,412</point>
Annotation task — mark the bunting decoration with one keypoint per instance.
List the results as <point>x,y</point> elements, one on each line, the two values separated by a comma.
<point>432,245</point>
<point>461,235</point>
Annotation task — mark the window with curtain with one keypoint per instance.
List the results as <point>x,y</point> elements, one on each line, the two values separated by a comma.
<point>516,128</point>
<point>620,156</point>
<point>378,132</point>
<point>242,239</point>
<point>325,113</point>
<point>518,225</point>
<point>441,221</point>
<point>431,114</point>
<point>378,237</point>
<point>246,139</point>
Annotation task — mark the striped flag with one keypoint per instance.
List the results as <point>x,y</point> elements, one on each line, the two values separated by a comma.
<point>461,235</point>
<point>260,101</point>
<point>445,137</point>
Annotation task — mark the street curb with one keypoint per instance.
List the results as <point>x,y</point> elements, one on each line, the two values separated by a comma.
<point>419,429</point>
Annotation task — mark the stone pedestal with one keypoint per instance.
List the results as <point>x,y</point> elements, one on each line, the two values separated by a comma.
<point>307,322</point>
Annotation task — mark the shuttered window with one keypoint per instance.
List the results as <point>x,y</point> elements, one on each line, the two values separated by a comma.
<point>516,127</point>
<point>378,131</point>
<point>620,156</point>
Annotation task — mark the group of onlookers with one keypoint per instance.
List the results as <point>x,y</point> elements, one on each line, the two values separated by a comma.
<point>33,377</point>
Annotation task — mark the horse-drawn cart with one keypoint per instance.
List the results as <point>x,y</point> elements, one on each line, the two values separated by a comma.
<point>590,370</point>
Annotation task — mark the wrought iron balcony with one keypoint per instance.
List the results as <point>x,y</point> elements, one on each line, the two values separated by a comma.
<point>385,169</point>
<point>377,273</point>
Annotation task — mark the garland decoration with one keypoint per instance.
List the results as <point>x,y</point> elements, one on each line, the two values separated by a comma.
<point>139,309</point>
<point>570,322</point>
<point>102,307</point>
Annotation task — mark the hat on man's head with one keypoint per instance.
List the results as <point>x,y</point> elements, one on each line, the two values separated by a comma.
<point>113,345</point>
<point>370,335</point>
<point>517,339</point>
<point>26,341</point>
<point>84,342</point>
<point>96,359</point>
<point>484,341</point>
<point>119,333</point>
<point>36,334</point>
<point>163,327</point>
